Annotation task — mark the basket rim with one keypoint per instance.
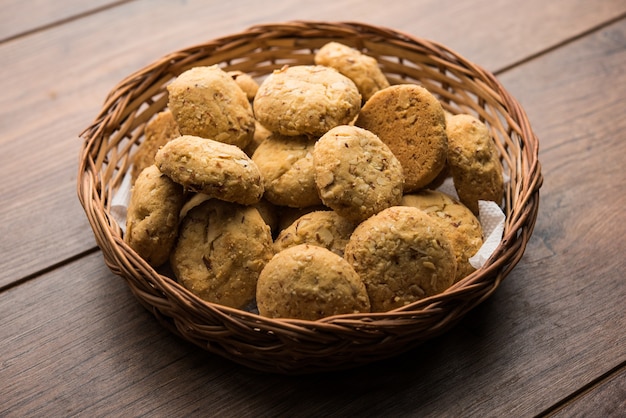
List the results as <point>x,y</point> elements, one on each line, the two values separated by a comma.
<point>123,95</point>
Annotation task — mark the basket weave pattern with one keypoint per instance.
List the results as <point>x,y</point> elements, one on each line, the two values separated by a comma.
<point>297,346</point>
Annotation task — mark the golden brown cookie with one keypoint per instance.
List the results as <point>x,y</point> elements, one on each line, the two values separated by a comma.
<point>402,255</point>
<point>356,174</point>
<point>362,69</point>
<point>214,168</point>
<point>306,100</point>
<point>322,228</point>
<point>309,282</point>
<point>152,216</point>
<point>208,103</point>
<point>159,131</point>
<point>411,121</point>
<point>474,162</point>
<point>245,82</point>
<point>221,249</point>
<point>286,215</point>
<point>286,165</point>
<point>261,133</point>
<point>459,223</point>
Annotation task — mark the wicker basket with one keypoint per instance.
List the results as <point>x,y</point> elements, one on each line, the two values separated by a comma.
<point>297,346</point>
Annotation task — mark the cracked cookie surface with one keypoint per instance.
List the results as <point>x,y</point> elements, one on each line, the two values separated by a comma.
<point>208,103</point>
<point>402,256</point>
<point>214,168</point>
<point>309,282</point>
<point>221,249</point>
<point>306,100</point>
<point>356,174</point>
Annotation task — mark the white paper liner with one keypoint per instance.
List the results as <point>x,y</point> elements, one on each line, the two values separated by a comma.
<point>491,218</point>
<point>119,202</point>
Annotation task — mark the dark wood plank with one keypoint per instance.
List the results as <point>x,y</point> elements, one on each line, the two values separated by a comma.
<point>44,110</point>
<point>22,16</point>
<point>574,267</point>
<point>608,399</point>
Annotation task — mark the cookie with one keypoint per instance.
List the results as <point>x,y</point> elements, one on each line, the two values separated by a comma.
<point>261,133</point>
<point>158,132</point>
<point>321,228</point>
<point>411,121</point>
<point>214,168</point>
<point>458,222</point>
<point>247,84</point>
<point>152,216</point>
<point>286,165</point>
<point>356,174</point>
<point>402,255</point>
<point>309,282</point>
<point>474,162</point>
<point>208,103</point>
<point>362,69</point>
<point>306,100</point>
<point>221,250</point>
<point>286,215</point>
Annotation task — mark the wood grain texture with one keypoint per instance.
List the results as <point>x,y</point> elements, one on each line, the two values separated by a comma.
<point>18,17</point>
<point>44,111</point>
<point>74,341</point>
<point>608,399</point>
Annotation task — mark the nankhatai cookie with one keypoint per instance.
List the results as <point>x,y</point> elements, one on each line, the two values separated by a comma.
<point>362,69</point>
<point>221,249</point>
<point>356,174</point>
<point>306,100</point>
<point>402,255</point>
<point>411,121</point>
<point>459,224</point>
<point>309,282</point>
<point>287,216</point>
<point>322,228</point>
<point>159,130</point>
<point>286,165</point>
<point>152,215</point>
<point>474,162</point>
<point>245,82</point>
<point>261,133</point>
<point>208,103</point>
<point>214,168</point>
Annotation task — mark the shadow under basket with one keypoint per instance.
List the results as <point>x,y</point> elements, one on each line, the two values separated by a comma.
<point>344,341</point>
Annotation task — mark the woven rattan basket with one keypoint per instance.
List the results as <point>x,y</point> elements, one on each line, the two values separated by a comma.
<point>297,346</point>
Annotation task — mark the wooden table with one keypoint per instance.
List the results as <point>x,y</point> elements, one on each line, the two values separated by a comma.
<point>551,340</point>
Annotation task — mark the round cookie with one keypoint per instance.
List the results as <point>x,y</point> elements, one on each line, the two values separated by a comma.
<point>286,165</point>
<point>474,163</point>
<point>458,222</point>
<point>221,249</point>
<point>362,69</point>
<point>261,133</point>
<point>286,215</point>
<point>356,174</point>
<point>306,100</point>
<point>158,132</point>
<point>402,255</point>
<point>322,228</point>
<point>214,168</point>
<point>152,216</point>
<point>309,282</point>
<point>411,121</point>
<point>208,103</point>
<point>247,84</point>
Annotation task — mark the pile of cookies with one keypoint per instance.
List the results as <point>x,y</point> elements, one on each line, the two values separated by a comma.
<point>311,193</point>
